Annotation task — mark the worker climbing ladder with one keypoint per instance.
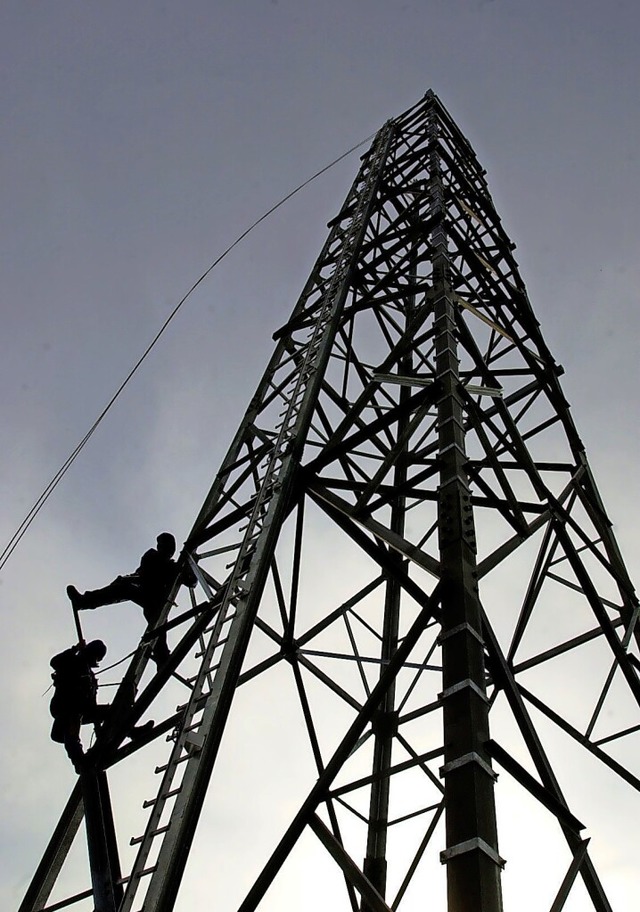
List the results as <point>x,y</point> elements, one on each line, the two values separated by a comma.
<point>407,523</point>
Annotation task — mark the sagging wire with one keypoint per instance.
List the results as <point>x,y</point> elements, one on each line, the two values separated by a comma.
<point>102,671</point>
<point>114,665</point>
<point>20,532</point>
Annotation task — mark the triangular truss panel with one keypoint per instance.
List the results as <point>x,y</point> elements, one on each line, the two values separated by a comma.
<point>413,633</point>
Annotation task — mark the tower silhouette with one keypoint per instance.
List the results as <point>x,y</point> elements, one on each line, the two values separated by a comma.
<point>407,586</point>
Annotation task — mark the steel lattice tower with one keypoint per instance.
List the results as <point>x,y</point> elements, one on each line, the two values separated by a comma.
<point>405,542</point>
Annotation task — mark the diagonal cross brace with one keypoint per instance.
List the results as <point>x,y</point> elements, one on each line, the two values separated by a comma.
<point>319,792</point>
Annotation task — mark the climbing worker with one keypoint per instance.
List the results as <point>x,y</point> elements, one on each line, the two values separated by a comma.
<point>148,587</point>
<point>74,702</point>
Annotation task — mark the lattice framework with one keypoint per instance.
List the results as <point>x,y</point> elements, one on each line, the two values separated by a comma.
<point>406,523</point>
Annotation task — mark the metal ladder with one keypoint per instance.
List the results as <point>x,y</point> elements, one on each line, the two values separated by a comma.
<point>185,744</point>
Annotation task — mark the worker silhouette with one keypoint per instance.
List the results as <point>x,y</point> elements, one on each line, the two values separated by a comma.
<point>148,587</point>
<point>74,702</point>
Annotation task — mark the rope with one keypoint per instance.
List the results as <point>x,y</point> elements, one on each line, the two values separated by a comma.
<point>102,670</point>
<point>17,536</point>
<point>115,665</point>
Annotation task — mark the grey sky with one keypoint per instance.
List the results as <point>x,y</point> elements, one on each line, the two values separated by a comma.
<point>139,140</point>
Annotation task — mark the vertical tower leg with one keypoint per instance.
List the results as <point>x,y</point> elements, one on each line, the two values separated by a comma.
<point>385,723</point>
<point>471,856</point>
<point>101,839</point>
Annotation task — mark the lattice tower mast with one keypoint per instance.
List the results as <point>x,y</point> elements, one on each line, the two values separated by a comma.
<point>407,524</point>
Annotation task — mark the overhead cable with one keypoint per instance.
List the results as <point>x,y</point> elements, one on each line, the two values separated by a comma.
<point>66,465</point>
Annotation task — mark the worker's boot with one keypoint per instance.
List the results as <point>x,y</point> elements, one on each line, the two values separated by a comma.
<point>139,731</point>
<point>78,600</point>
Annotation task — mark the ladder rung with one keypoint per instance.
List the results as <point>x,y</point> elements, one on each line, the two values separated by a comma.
<point>165,767</point>
<point>151,801</point>
<point>226,621</point>
<point>199,655</point>
<point>143,873</point>
<point>136,840</point>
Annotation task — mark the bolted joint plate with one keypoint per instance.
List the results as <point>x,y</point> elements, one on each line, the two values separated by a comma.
<point>456,516</point>
<point>472,845</point>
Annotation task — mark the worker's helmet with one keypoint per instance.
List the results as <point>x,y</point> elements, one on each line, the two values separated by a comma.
<point>96,649</point>
<point>166,542</point>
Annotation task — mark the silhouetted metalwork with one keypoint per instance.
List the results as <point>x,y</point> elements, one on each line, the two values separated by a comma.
<point>404,541</point>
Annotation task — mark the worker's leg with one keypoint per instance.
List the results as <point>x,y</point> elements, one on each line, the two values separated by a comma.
<point>122,589</point>
<point>160,652</point>
<point>99,713</point>
<point>75,751</point>
<point>96,713</point>
<point>66,730</point>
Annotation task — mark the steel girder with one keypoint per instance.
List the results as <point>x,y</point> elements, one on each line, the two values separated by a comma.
<point>406,544</point>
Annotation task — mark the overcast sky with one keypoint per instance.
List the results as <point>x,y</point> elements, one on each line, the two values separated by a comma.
<point>139,140</point>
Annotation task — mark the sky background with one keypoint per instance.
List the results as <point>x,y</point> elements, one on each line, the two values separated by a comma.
<point>139,140</point>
